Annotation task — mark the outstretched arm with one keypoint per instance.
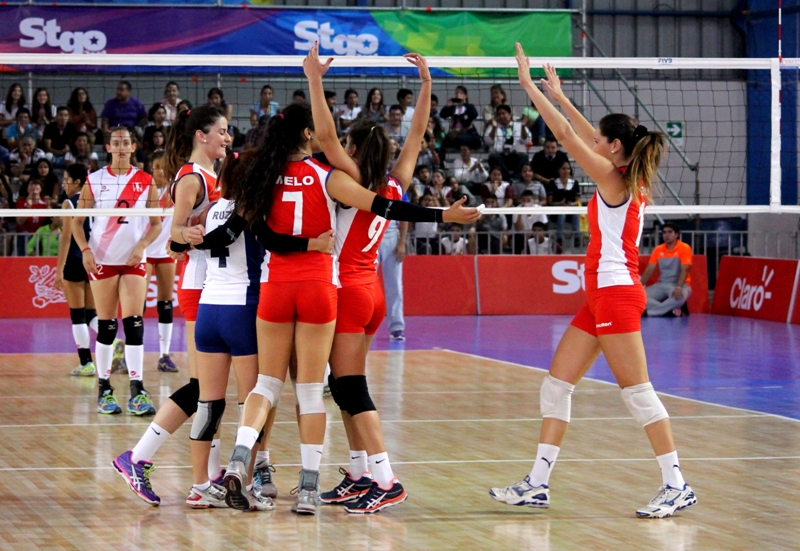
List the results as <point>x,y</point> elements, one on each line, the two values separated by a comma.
<point>552,84</point>
<point>404,167</point>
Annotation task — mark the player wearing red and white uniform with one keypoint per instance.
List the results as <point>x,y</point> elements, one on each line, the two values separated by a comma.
<point>623,158</point>
<point>115,258</point>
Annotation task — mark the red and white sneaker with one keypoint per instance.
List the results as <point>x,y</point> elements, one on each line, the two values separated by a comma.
<point>211,497</point>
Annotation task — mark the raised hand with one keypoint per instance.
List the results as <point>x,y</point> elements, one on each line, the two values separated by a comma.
<point>457,213</point>
<point>312,66</point>
<point>420,63</point>
<point>523,67</point>
<point>552,84</point>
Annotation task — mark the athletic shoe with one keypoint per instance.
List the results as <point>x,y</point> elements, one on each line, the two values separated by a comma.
<point>378,499</point>
<point>398,335</point>
<point>107,403</point>
<point>522,493</point>
<point>141,405</point>
<point>211,497</point>
<point>258,501</point>
<point>137,475</point>
<point>307,493</point>
<point>348,489</point>
<point>667,501</point>
<point>219,481</point>
<point>326,391</point>
<point>87,370</point>
<point>118,364</point>
<point>262,480</point>
<point>166,365</point>
<point>235,477</point>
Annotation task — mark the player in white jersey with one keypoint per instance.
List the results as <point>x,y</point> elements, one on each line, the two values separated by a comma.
<point>115,259</point>
<point>159,261</point>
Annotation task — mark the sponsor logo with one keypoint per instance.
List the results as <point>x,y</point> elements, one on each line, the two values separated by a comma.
<point>43,279</point>
<point>604,324</point>
<point>38,32</point>
<point>747,297</point>
<point>569,277</point>
<point>342,44</point>
<point>665,61</point>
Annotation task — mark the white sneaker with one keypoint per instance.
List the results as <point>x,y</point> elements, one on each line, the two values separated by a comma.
<point>667,501</point>
<point>259,502</point>
<point>522,493</point>
<point>213,496</point>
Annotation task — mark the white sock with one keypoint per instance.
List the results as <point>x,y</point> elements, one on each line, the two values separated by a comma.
<point>327,372</point>
<point>80,332</point>
<point>262,457</point>
<point>545,459</point>
<point>311,455</point>
<point>103,354</point>
<point>671,470</point>
<point>246,436</point>
<point>92,323</point>
<point>204,486</point>
<point>214,468</point>
<point>358,463</point>
<point>164,337</point>
<point>149,443</point>
<point>134,357</point>
<point>381,469</point>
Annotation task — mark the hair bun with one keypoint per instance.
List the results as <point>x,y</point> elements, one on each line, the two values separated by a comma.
<point>640,132</point>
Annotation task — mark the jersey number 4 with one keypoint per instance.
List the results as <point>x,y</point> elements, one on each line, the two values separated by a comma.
<point>295,197</point>
<point>374,232</point>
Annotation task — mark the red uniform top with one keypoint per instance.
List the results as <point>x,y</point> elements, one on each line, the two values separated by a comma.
<point>301,207</point>
<point>612,257</point>
<point>358,237</point>
<point>31,223</point>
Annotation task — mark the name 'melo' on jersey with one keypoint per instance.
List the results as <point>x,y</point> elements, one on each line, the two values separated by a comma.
<point>358,237</point>
<point>302,207</point>
<point>113,238</point>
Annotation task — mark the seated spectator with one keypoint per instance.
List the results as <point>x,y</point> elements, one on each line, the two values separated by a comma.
<point>460,114</point>
<point>184,105</point>
<point>426,234</point>
<point>395,127</point>
<point>457,191</point>
<point>21,129</point>
<point>48,181</point>
<point>427,154</point>
<point>44,241</point>
<point>349,111</point>
<point>491,229</point>
<point>534,122</point>
<point>27,225</point>
<point>157,143</point>
<point>81,148</point>
<point>435,108</point>
<point>438,189</point>
<point>266,106</point>
<point>539,243</point>
<point>22,161</point>
<point>58,135</point>
<point>507,141</point>
<point>405,98</point>
<point>157,117</point>
<point>421,179</point>
<point>498,188</point>
<point>217,98</point>
<point>498,98</point>
<point>256,132</point>
<point>6,202</point>
<point>527,183</point>
<point>436,131</point>
<point>548,161</point>
<point>15,99</point>
<point>523,223</point>
<point>123,110</point>
<point>374,108</point>
<point>82,114</point>
<point>394,152</point>
<point>454,243</point>
<point>171,101</point>
<point>564,192</point>
<point>467,169</point>
<point>298,96</point>
<point>674,261</point>
<point>43,111</point>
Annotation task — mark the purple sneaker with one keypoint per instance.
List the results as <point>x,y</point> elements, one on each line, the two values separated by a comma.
<point>137,475</point>
<point>166,365</point>
<point>219,479</point>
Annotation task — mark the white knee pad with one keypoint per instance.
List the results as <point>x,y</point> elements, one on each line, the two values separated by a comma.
<point>309,398</point>
<point>555,398</point>
<point>643,403</point>
<point>269,387</point>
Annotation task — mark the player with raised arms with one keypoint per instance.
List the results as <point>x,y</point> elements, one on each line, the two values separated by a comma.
<point>622,157</point>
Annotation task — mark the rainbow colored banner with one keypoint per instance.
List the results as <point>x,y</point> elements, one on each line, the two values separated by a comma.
<point>211,30</point>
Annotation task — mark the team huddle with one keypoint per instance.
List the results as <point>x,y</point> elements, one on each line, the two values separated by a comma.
<point>279,255</point>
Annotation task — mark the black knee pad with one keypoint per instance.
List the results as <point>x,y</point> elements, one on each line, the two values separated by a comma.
<point>77,316</point>
<point>91,313</point>
<point>335,394</point>
<point>106,331</point>
<point>206,421</point>
<point>186,397</point>
<point>164,308</point>
<point>355,394</point>
<point>134,330</point>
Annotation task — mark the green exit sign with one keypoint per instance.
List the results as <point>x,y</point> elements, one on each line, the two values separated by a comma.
<point>674,129</point>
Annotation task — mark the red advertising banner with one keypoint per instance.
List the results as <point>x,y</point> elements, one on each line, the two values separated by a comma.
<point>698,300</point>
<point>759,288</point>
<point>439,286</point>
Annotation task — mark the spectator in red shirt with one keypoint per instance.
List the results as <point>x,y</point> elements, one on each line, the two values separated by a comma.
<point>29,224</point>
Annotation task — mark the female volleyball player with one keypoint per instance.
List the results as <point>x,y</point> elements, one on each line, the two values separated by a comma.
<point>361,303</point>
<point>297,305</point>
<point>71,276</point>
<point>622,157</point>
<point>164,266</point>
<point>114,257</point>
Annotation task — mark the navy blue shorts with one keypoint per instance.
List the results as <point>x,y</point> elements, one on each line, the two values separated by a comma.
<point>226,329</point>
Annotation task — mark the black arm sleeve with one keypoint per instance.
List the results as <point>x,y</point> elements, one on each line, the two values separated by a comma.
<point>278,242</point>
<point>178,247</point>
<point>225,235</point>
<point>406,212</point>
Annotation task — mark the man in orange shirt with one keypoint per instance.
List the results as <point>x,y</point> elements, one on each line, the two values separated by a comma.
<point>674,260</point>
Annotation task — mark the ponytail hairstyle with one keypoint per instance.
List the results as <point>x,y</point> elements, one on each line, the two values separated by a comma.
<point>180,140</point>
<point>643,147</point>
<point>233,168</point>
<point>372,152</point>
<point>265,164</point>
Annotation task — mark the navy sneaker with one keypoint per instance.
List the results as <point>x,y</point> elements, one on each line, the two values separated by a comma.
<point>378,499</point>
<point>137,475</point>
<point>398,335</point>
<point>348,489</point>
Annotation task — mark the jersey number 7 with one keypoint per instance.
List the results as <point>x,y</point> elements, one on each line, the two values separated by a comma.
<point>295,197</point>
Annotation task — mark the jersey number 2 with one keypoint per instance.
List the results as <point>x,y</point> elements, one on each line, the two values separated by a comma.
<point>295,197</point>
<point>374,232</point>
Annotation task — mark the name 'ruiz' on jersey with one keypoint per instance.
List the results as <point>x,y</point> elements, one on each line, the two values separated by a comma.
<point>232,273</point>
<point>113,238</point>
<point>358,237</point>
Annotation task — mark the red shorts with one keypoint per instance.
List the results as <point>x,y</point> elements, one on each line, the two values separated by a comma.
<point>612,310</point>
<point>165,260</point>
<point>105,271</point>
<point>361,308</point>
<point>304,301</point>
<point>189,302</point>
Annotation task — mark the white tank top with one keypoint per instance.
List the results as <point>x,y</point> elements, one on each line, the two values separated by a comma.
<point>158,248</point>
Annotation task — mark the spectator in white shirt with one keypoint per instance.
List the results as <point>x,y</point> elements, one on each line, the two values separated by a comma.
<point>349,111</point>
<point>498,188</point>
<point>455,243</point>
<point>171,101</point>
<point>426,234</point>
<point>467,169</point>
<point>405,98</point>
<point>438,189</point>
<point>524,222</point>
<point>539,243</point>
<point>508,141</point>
<point>395,127</point>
